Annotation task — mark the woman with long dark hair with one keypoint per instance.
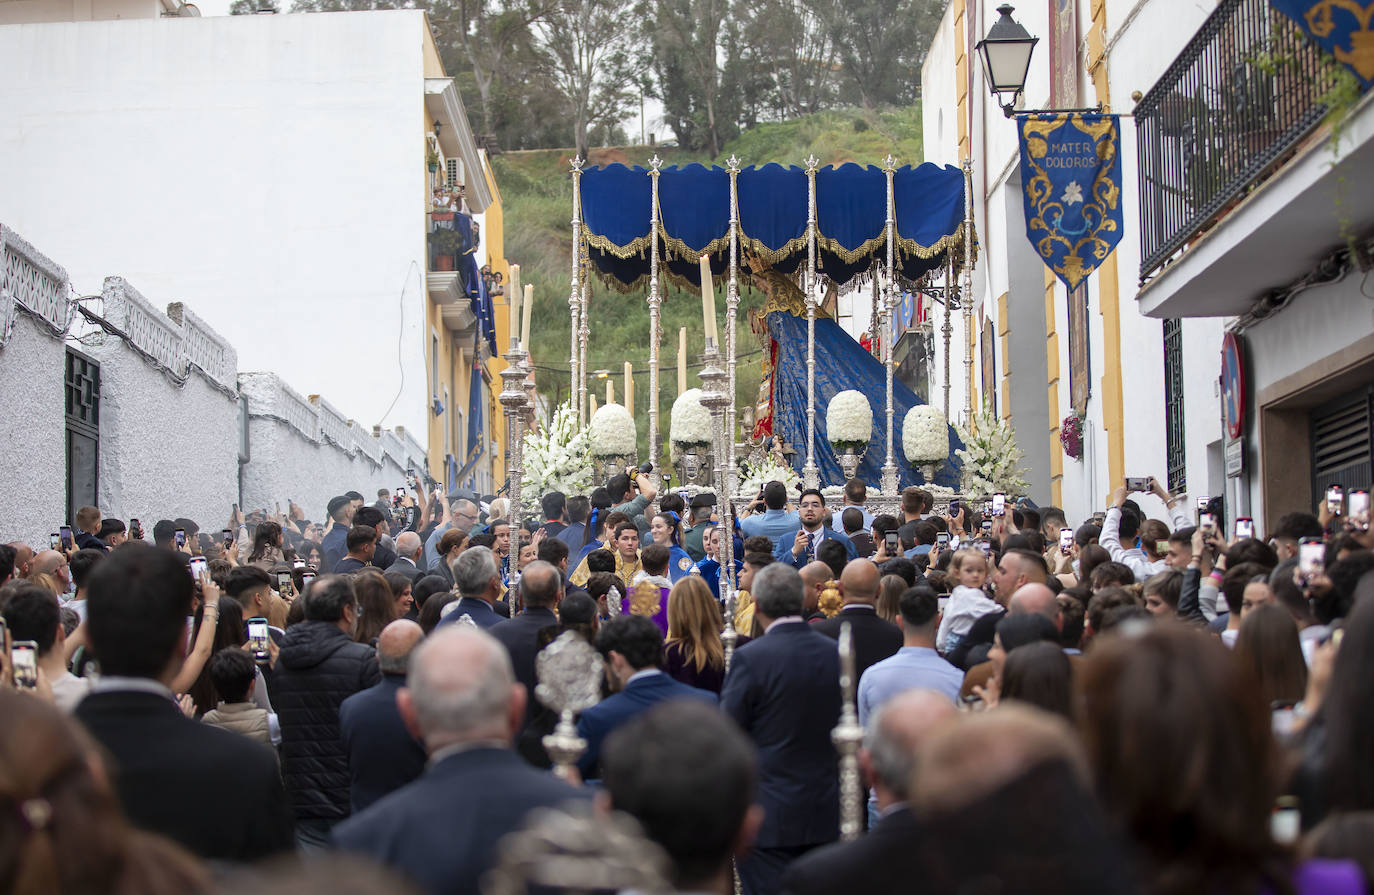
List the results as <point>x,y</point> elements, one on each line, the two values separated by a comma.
<point>267,546</point>
<point>1179,740</point>
<point>378,605</point>
<point>1268,645</point>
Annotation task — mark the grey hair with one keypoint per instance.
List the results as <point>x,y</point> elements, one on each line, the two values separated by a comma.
<point>893,760</point>
<point>471,698</point>
<point>778,591</point>
<point>473,570</point>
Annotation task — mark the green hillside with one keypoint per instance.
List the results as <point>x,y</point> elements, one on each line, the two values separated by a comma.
<point>536,193</point>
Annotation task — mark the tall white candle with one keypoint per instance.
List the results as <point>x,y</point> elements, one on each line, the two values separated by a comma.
<point>513,300</point>
<point>610,390</point>
<point>629,388</point>
<point>682,360</point>
<point>708,300</point>
<point>525,325</point>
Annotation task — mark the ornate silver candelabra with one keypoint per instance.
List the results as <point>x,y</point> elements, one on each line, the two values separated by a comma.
<point>655,303</point>
<point>847,736</point>
<point>889,477</point>
<point>811,474</point>
<point>575,295</point>
<point>516,401</point>
<point>714,398</point>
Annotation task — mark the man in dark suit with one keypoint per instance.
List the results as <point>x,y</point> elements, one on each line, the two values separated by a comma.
<point>874,638</point>
<point>783,690</point>
<point>633,647</point>
<point>800,549</point>
<point>408,550</point>
<point>542,590</point>
<point>478,579</point>
<point>213,791</point>
<point>876,863</point>
<point>383,755</point>
<point>441,831</point>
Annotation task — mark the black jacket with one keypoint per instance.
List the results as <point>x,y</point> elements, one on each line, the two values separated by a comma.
<point>215,792</point>
<point>442,830</point>
<point>783,690</point>
<point>317,669</point>
<point>875,863</point>
<point>973,650</point>
<point>875,639</point>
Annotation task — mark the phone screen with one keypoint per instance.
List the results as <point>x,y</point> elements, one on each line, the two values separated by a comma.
<point>1311,559</point>
<point>1359,508</point>
<point>24,659</point>
<point>66,533</point>
<point>305,581</point>
<point>999,504</point>
<point>942,538</point>
<point>1207,522</point>
<point>54,541</point>
<point>180,537</point>
<point>283,582</point>
<point>1335,500</point>
<point>1245,528</point>
<point>199,565</point>
<point>1065,540</point>
<point>891,543</point>
<point>257,636</point>
<point>227,535</point>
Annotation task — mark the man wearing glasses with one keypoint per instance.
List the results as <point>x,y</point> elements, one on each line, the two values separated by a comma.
<point>462,515</point>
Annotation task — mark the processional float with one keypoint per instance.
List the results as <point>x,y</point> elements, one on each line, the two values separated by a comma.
<point>799,231</point>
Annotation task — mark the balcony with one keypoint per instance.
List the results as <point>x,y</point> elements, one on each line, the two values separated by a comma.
<point>1238,186</point>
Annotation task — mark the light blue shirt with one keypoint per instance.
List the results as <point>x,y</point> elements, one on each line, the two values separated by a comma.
<point>778,525</point>
<point>912,668</point>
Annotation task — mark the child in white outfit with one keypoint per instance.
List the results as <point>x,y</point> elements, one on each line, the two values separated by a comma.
<point>967,602</point>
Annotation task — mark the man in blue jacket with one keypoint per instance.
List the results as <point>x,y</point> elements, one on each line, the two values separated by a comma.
<point>783,690</point>
<point>442,831</point>
<point>633,647</point>
<point>383,755</point>
<point>800,550</point>
<point>775,523</point>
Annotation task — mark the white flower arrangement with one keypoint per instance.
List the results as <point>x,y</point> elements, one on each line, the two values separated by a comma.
<point>849,420</point>
<point>690,424</point>
<point>612,432</point>
<point>752,477</point>
<point>992,461</point>
<point>555,459</point>
<point>925,435</point>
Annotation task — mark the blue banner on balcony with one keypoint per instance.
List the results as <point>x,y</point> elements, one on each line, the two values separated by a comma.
<point>1071,181</point>
<point>476,430</point>
<point>1344,28</point>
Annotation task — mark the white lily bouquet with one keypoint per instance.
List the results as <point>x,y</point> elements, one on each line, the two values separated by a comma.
<point>992,461</point>
<point>555,459</point>
<point>925,435</point>
<point>753,477</point>
<point>849,421</point>
<point>612,432</point>
<point>690,425</point>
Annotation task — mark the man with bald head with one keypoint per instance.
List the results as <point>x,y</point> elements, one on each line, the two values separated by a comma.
<point>814,577</point>
<point>409,548</point>
<point>875,639</point>
<point>1029,599</point>
<point>1016,569</point>
<point>23,558</point>
<point>875,862</point>
<point>54,563</point>
<point>383,755</point>
<point>441,831</point>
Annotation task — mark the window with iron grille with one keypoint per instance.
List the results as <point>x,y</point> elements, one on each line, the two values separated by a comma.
<point>1173,406</point>
<point>451,166</point>
<point>82,393</point>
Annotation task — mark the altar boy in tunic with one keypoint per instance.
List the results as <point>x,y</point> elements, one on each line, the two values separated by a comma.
<point>649,593</point>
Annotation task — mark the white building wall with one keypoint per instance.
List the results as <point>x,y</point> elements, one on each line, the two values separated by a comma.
<point>267,170</point>
<point>33,477</point>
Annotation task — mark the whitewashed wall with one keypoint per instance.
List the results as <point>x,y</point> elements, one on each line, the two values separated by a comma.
<point>170,420</point>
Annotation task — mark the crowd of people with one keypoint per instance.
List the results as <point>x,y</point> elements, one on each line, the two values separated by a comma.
<point>1134,702</point>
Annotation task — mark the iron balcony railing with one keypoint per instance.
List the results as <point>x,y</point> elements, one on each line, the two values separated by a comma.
<point>1227,113</point>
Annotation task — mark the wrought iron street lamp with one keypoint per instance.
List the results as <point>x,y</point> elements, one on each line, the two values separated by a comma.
<point>1006,54</point>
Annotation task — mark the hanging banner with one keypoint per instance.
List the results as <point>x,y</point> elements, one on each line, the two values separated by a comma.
<point>476,431</point>
<point>1344,28</point>
<point>1071,180</point>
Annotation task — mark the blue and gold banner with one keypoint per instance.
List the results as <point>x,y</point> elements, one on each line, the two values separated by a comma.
<point>1344,28</point>
<point>1071,181</point>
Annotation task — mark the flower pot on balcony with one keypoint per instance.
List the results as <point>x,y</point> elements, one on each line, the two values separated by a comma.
<point>433,166</point>
<point>441,215</point>
<point>443,263</point>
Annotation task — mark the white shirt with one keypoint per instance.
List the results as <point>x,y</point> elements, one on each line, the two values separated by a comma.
<point>69,689</point>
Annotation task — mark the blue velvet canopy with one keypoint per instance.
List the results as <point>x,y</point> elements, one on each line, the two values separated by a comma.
<point>694,204</point>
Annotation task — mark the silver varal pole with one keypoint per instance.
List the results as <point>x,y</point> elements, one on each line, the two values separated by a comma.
<point>948,329</point>
<point>515,400</point>
<point>889,480</point>
<point>583,331</point>
<point>655,303</point>
<point>847,737</point>
<point>713,385</point>
<point>575,295</point>
<point>968,292</point>
<point>732,308</point>
<point>811,474</point>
